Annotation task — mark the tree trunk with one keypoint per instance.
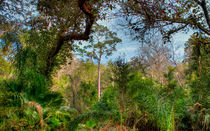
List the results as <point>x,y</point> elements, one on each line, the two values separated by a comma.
<point>99,79</point>
<point>64,38</point>
<point>119,128</point>
<point>198,46</point>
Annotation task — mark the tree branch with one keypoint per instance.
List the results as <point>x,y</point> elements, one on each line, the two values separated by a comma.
<point>176,30</point>
<point>190,21</point>
<point>62,37</point>
<point>205,11</point>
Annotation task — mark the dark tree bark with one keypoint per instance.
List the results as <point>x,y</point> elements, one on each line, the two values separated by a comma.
<point>63,37</point>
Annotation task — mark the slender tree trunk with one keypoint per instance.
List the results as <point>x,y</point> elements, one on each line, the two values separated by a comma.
<point>200,75</point>
<point>198,46</point>
<point>73,97</point>
<point>91,59</point>
<point>99,79</point>
<point>73,85</point>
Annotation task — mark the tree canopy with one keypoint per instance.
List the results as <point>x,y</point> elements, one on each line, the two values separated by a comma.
<point>165,16</point>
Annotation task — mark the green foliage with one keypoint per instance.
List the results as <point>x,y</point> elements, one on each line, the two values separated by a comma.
<point>163,106</point>
<point>108,102</point>
<point>172,83</point>
<point>20,119</point>
<point>57,118</point>
<point>90,124</point>
<point>91,90</point>
<point>31,82</point>
<point>199,117</point>
<point>41,43</point>
<point>102,42</point>
<point>199,68</point>
<point>5,68</point>
<point>106,109</point>
<point>32,117</point>
<point>198,80</point>
<point>120,70</point>
<point>159,106</point>
<point>13,114</point>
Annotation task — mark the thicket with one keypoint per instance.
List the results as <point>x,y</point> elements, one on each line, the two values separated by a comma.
<point>44,87</point>
<point>130,99</point>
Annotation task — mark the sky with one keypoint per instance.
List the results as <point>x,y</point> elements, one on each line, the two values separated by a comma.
<point>129,48</point>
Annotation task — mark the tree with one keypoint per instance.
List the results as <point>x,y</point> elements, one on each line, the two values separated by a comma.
<point>14,14</point>
<point>121,77</point>
<point>165,16</point>
<point>73,20</point>
<point>14,17</point>
<point>153,59</point>
<point>5,68</point>
<point>102,42</point>
<point>197,53</point>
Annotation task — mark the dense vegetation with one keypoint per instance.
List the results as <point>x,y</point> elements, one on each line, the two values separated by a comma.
<point>44,86</point>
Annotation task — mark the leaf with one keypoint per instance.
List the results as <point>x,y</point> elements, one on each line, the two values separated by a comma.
<point>90,124</point>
